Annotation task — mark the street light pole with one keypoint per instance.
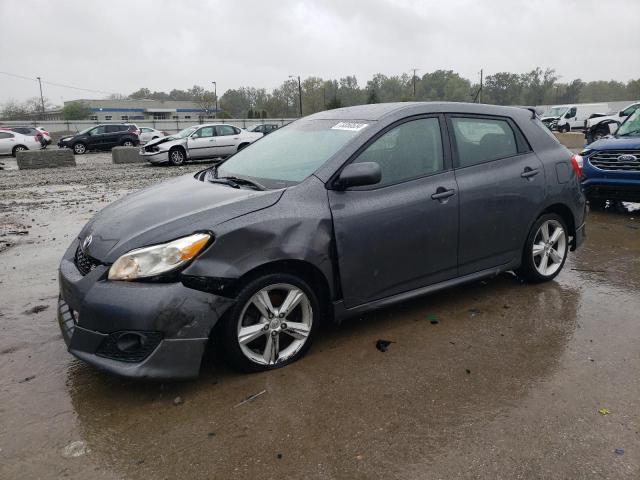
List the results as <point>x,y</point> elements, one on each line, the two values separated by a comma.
<point>215,94</point>
<point>41,97</point>
<point>299,92</point>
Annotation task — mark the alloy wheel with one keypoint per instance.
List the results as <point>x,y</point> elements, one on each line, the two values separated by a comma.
<point>549,248</point>
<point>274,324</point>
<point>127,143</point>
<point>79,148</point>
<point>177,157</point>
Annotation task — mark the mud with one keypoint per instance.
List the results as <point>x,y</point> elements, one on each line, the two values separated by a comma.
<point>506,384</point>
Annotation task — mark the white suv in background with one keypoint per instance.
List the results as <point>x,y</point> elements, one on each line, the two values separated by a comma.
<point>197,142</point>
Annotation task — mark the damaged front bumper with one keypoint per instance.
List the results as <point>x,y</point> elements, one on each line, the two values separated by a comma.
<point>161,156</point>
<point>135,329</point>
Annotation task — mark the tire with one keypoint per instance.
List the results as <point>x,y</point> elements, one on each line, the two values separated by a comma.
<point>564,129</point>
<point>127,143</point>
<point>537,253</point>
<point>79,148</point>
<point>264,326</point>
<point>18,148</point>
<point>176,156</point>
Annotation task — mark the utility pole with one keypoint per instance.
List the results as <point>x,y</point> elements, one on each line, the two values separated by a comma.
<point>215,94</point>
<point>299,92</point>
<point>481,78</point>
<point>414,81</point>
<point>41,97</point>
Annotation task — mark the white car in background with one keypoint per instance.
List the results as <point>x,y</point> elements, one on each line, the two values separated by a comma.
<point>147,134</point>
<point>197,142</point>
<point>12,142</point>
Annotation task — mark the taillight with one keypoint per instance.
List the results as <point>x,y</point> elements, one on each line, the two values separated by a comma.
<point>38,136</point>
<point>576,163</point>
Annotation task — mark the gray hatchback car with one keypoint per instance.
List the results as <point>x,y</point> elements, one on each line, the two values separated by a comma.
<point>336,214</point>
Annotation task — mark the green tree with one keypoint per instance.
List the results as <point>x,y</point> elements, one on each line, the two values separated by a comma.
<point>334,103</point>
<point>76,111</point>
<point>372,96</point>
<point>503,88</point>
<point>443,85</point>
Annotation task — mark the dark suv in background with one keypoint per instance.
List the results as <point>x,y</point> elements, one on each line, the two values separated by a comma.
<point>102,137</point>
<point>264,128</point>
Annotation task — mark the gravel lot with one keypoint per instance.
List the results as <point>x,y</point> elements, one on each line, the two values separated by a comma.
<point>507,384</point>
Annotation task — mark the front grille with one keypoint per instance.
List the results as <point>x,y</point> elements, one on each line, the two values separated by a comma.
<point>109,347</point>
<point>609,160</point>
<point>84,262</point>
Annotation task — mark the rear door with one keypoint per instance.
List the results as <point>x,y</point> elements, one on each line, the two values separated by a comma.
<point>402,233</point>
<point>502,185</point>
<point>227,139</point>
<point>7,142</point>
<point>112,135</point>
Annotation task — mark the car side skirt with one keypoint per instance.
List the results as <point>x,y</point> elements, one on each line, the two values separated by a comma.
<point>340,312</point>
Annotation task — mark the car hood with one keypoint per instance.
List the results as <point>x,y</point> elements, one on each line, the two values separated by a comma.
<point>170,210</point>
<point>170,141</point>
<point>616,143</point>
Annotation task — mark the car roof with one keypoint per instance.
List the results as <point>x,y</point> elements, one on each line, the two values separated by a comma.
<point>378,111</point>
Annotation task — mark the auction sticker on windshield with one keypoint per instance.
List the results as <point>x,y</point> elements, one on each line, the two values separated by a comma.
<point>350,126</point>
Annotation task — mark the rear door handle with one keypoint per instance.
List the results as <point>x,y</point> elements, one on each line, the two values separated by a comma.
<point>442,193</point>
<point>529,172</point>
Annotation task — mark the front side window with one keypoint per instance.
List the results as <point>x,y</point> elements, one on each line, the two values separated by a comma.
<point>410,150</point>
<point>291,154</point>
<point>98,130</point>
<point>480,140</point>
<point>204,132</point>
<point>571,113</point>
<point>630,110</point>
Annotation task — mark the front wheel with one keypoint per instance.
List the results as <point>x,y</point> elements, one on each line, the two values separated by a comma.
<point>545,249</point>
<point>176,157</point>
<point>79,148</point>
<point>271,324</point>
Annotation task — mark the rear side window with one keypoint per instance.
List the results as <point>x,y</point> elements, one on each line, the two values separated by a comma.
<point>113,128</point>
<point>223,130</point>
<point>410,150</point>
<point>480,140</point>
<point>204,132</point>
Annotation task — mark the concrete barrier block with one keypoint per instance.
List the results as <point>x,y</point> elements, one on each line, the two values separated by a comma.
<point>571,140</point>
<point>126,155</point>
<point>29,159</point>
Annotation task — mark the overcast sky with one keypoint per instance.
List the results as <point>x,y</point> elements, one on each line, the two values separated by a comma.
<point>119,46</point>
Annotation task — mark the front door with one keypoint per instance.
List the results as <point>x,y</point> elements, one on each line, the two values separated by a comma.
<point>502,185</point>
<point>96,139</point>
<point>202,143</point>
<point>402,233</point>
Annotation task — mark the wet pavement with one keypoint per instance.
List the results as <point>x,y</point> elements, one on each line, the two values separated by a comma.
<point>496,379</point>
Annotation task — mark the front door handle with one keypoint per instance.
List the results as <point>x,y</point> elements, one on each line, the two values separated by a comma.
<point>212,140</point>
<point>442,193</point>
<point>529,172</point>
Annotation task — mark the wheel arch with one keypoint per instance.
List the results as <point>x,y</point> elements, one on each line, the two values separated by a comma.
<point>15,148</point>
<point>563,211</point>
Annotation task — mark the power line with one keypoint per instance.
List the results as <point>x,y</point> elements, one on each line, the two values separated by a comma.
<point>55,84</point>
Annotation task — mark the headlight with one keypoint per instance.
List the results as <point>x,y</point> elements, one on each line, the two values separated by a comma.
<point>152,261</point>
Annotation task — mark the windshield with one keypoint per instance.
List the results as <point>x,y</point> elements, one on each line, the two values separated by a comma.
<point>82,132</point>
<point>290,154</point>
<point>631,126</point>
<point>184,133</point>
<point>556,112</point>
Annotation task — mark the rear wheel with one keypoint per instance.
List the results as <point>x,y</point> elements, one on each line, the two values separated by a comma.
<point>79,148</point>
<point>545,249</point>
<point>127,143</point>
<point>176,156</point>
<point>271,324</point>
<point>18,148</point>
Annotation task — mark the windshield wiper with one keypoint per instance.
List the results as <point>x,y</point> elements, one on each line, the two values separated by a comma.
<point>244,181</point>
<point>224,181</point>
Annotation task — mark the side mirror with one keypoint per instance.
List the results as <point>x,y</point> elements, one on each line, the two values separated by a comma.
<point>358,175</point>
